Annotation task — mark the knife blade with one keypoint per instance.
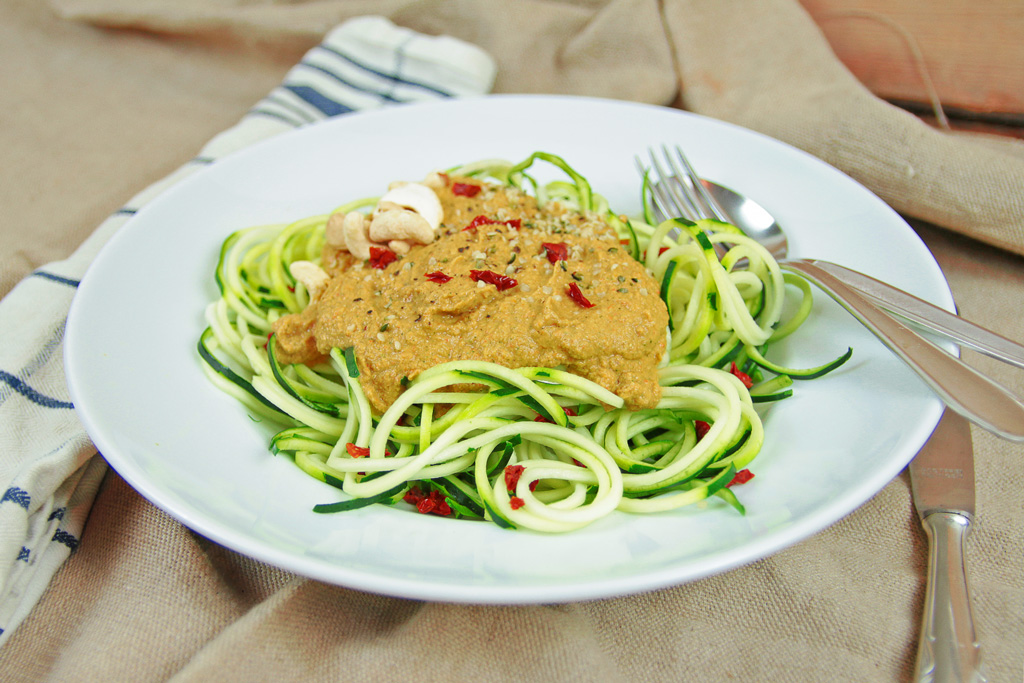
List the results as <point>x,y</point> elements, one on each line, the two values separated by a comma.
<point>942,480</point>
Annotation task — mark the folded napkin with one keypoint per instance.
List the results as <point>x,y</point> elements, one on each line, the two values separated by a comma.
<point>763,64</point>
<point>49,470</point>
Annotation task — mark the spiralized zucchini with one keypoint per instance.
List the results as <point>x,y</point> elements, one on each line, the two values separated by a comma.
<point>533,448</point>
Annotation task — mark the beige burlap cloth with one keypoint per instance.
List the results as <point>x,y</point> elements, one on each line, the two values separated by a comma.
<point>95,109</point>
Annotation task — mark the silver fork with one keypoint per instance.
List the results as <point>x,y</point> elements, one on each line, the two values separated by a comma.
<point>679,191</point>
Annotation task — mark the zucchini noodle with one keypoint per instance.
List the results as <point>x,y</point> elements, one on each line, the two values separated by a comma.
<point>530,447</point>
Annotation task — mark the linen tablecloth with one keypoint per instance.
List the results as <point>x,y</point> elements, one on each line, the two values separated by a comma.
<point>109,102</point>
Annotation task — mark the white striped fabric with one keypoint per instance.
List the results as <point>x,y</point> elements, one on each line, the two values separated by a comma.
<point>49,470</point>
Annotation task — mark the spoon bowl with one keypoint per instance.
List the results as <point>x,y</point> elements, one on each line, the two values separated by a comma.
<point>750,217</point>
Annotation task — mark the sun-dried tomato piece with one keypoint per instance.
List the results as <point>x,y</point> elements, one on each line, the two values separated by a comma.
<point>574,293</point>
<point>741,477</point>
<point>466,189</point>
<point>702,428</point>
<point>515,502</point>
<point>357,451</point>
<point>512,475</point>
<point>438,277</point>
<point>434,503</point>
<point>502,282</point>
<point>381,257</point>
<point>568,411</point>
<point>413,496</point>
<point>556,251</point>
<point>477,221</point>
<point>743,377</point>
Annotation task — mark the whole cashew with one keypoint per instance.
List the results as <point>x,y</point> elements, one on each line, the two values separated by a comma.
<point>400,224</point>
<point>417,198</point>
<point>334,232</point>
<point>357,240</point>
<point>312,277</point>
<point>435,181</point>
<point>399,246</point>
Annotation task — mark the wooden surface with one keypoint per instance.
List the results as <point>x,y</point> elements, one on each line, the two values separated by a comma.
<point>972,50</point>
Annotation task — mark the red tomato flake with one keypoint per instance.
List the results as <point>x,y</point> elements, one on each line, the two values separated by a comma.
<point>466,189</point>
<point>502,282</point>
<point>512,475</point>
<point>357,451</point>
<point>515,502</point>
<point>702,428</point>
<point>438,277</point>
<point>574,293</point>
<point>434,503</point>
<point>380,257</point>
<point>741,477</point>
<point>515,223</point>
<point>662,250</point>
<point>568,411</point>
<point>556,251</point>
<point>743,377</point>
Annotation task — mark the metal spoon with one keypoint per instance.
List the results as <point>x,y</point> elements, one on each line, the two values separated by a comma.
<point>961,387</point>
<point>755,221</point>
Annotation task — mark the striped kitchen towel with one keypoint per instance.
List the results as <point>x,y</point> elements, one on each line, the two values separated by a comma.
<point>49,470</point>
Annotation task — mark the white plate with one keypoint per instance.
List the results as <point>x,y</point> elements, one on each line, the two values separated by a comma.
<point>138,388</point>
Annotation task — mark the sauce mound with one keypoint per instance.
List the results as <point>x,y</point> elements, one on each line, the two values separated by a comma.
<point>505,281</point>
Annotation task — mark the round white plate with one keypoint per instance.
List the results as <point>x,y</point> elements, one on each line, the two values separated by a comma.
<point>137,385</point>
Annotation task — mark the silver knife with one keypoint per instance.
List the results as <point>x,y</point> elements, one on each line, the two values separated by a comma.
<point>942,478</point>
<point>928,316</point>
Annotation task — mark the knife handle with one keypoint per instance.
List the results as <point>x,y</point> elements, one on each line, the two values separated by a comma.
<point>948,649</point>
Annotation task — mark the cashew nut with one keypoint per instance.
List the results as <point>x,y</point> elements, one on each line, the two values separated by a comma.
<point>399,246</point>
<point>354,227</point>
<point>312,277</point>
<point>435,181</point>
<point>417,198</point>
<point>334,232</point>
<point>400,224</point>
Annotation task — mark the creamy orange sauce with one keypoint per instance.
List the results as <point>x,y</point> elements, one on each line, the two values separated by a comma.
<point>401,322</point>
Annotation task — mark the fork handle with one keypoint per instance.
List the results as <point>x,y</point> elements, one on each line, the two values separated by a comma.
<point>928,316</point>
<point>947,649</point>
<point>965,390</point>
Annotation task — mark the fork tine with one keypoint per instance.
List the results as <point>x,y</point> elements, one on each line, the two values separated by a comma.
<point>657,193</point>
<point>699,194</point>
<point>672,193</point>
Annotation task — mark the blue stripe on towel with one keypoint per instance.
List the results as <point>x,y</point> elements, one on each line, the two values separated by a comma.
<point>56,278</point>
<point>18,496</point>
<point>31,394</point>
<point>260,111</point>
<point>325,104</point>
<point>61,536</point>
<point>337,77</point>
<point>386,76</point>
